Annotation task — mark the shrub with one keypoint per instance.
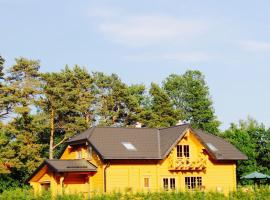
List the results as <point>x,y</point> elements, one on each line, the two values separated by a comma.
<point>262,193</point>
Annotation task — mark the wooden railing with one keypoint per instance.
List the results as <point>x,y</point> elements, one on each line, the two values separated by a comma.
<point>185,163</point>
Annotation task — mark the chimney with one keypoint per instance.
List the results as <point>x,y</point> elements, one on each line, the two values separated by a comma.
<point>138,125</point>
<point>180,122</point>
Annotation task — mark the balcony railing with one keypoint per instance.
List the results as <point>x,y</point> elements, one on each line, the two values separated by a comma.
<point>186,163</point>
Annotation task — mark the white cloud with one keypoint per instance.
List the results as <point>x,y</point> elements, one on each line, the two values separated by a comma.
<point>252,45</point>
<point>151,30</point>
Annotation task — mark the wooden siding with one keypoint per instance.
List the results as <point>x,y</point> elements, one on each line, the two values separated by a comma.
<point>128,175</point>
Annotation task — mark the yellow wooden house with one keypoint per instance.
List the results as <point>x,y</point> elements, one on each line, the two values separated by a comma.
<point>140,159</point>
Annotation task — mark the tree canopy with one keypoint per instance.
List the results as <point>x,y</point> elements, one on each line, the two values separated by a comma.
<point>40,111</point>
<point>190,94</point>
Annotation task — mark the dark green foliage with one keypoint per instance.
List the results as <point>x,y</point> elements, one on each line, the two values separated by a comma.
<point>242,194</point>
<point>253,139</point>
<point>5,91</point>
<point>67,98</point>
<point>117,104</point>
<point>20,149</point>
<point>189,93</point>
<point>160,111</point>
<point>40,111</point>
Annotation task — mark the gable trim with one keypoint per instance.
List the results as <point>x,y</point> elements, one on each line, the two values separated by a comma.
<point>175,143</point>
<point>203,143</point>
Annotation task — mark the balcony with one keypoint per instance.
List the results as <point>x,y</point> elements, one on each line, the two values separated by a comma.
<point>185,163</point>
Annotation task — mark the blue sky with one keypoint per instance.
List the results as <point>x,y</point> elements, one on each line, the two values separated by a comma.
<point>145,41</point>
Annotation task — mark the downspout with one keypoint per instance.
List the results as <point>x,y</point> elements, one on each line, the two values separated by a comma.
<point>105,176</point>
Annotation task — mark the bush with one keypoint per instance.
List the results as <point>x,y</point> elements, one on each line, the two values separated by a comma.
<point>262,193</point>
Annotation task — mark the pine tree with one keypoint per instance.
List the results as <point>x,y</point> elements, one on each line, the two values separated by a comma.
<point>67,99</point>
<point>160,111</point>
<point>23,150</point>
<point>118,104</point>
<point>5,101</point>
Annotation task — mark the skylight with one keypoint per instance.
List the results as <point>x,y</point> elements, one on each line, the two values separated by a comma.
<point>212,147</point>
<point>129,146</point>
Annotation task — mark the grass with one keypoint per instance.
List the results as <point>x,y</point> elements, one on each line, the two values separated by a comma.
<point>262,193</point>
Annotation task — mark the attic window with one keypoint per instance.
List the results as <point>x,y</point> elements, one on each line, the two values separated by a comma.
<point>129,146</point>
<point>212,147</point>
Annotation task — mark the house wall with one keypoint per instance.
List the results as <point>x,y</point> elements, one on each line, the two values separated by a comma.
<point>96,181</point>
<point>126,175</point>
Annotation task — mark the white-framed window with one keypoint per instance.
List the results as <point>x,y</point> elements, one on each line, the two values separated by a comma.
<point>168,183</point>
<point>193,182</point>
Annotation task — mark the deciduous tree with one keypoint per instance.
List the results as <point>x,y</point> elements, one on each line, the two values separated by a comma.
<point>189,93</point>
<point>253,139</point>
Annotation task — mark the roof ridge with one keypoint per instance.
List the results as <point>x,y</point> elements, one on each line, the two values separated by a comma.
<point>185,124</point>
<point>91,132</point>
<point>125,127</point>
<point>158,137</point>
<point>63,159</point>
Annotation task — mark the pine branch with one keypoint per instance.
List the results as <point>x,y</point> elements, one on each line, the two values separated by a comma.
<point>63,140</point>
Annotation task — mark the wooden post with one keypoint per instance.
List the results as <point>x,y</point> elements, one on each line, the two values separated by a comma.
<point>53,185</point>
<point>89,186</point>
<point>61,184</point>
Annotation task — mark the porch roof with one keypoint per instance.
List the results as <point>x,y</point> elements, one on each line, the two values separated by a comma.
<point>78,165</point>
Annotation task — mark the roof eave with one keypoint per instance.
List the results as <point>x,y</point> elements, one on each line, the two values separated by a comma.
<point>128,158</point>
<point>75,142</point>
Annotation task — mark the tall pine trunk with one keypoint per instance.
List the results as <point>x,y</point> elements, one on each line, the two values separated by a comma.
<point>51,135</point>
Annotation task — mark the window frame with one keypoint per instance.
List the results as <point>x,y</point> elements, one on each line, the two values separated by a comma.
<point>193,182</point>
<point>170,181</point>
<point>149,185</point>
<point>183,150</point>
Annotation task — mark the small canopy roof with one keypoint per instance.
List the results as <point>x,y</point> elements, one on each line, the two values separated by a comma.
<point>256,175</point>
<point>58,166</point>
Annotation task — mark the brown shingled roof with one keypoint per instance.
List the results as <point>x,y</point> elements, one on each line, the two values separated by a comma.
<point>110,142</point>
<point>78,165</point>
<point>223,149</point>
<point>151,143</point>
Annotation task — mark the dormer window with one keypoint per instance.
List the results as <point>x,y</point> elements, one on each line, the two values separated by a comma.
<point>183,151</point>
